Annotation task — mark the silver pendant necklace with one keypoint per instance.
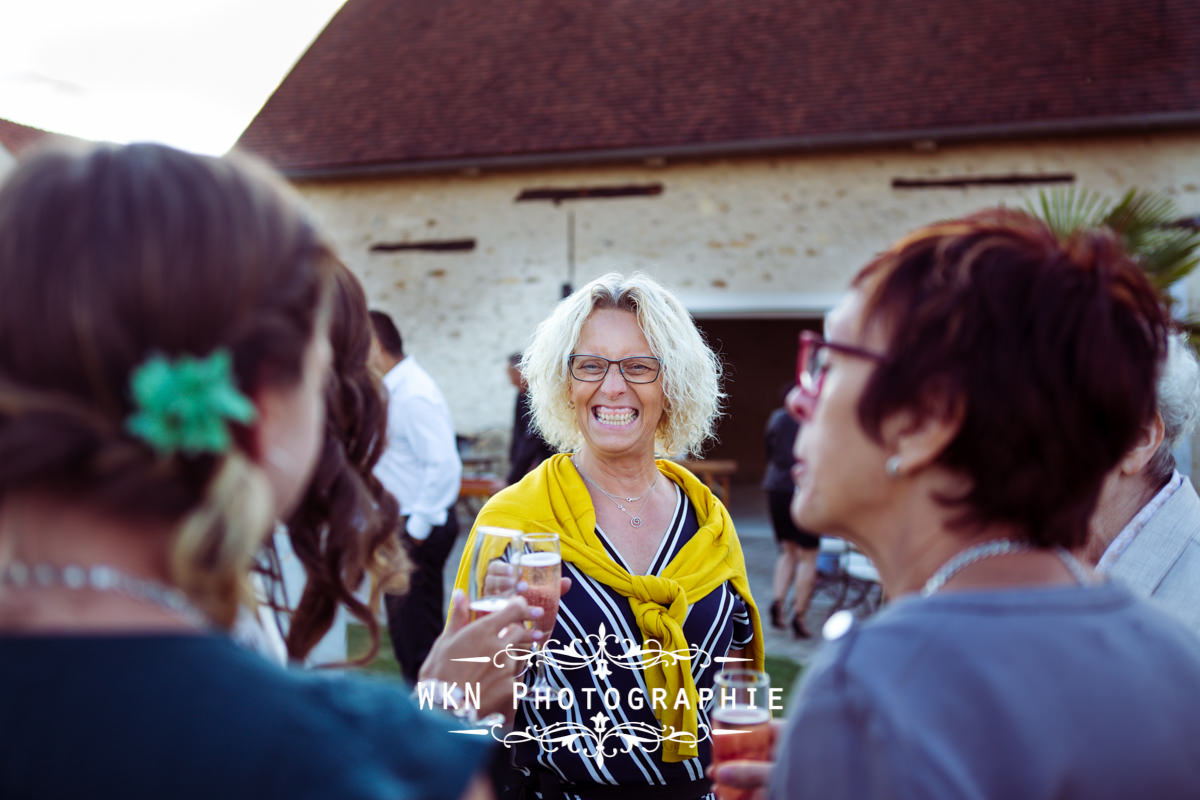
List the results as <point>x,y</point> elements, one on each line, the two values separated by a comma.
<point>635,520</point>
<point>101,578</point>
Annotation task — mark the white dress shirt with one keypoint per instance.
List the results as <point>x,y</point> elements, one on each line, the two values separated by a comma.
<point>420,465</point>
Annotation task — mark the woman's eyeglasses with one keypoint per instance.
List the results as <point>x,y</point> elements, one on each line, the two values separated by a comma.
<point>635,369</point>
<point>813,363</point>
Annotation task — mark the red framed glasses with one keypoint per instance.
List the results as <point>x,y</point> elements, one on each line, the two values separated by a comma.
<point>813,361</point>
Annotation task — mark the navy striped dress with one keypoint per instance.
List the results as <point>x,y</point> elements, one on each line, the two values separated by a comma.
<point>604,689</point>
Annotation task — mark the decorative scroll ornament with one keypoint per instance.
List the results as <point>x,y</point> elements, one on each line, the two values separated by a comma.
<point>593,652</point>
<point>600,741</point>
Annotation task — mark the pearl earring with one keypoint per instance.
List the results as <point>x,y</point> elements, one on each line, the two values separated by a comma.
<point>280,458</point>
<point>892,466</point>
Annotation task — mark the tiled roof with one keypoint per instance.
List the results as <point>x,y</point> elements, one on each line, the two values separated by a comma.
<point>15,137</point>
<point>411,83</point>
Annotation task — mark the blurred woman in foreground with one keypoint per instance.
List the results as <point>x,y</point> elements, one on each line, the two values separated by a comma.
<point>163,355</point>
<point>969,396</point>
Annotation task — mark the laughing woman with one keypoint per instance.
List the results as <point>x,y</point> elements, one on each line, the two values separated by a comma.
<point>617,374</point>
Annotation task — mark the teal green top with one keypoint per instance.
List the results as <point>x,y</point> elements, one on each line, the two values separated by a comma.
<point>195,716</point>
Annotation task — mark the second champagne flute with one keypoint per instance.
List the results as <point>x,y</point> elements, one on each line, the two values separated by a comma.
<point>495,569</point>
<point>541,570</point>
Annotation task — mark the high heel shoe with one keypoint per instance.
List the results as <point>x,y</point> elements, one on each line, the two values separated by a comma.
<point>777,615</point>
<point>799,630</point>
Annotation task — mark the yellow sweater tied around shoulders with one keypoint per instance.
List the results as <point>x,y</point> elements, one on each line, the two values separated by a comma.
<point>553,498</point>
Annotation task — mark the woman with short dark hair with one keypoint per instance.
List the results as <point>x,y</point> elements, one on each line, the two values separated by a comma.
<point>959,415</point>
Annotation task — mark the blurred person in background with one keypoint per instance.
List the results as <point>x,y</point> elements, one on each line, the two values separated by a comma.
<point>163,361</point>
<point>528,448</point>
<point>618,373</point>
<point>421,468</point>
<point>957,422</point>
<point>1146,529</point>
<point>796,568</point>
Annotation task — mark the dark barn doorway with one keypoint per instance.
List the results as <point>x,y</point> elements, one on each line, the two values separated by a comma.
<point>759,357</point>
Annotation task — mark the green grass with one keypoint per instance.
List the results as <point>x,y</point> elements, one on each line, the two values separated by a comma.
<point>358,642</point>
<point>784,672</point>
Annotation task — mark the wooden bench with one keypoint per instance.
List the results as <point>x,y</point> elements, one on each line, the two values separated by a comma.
<point>715,472</point>
<point>475,491</point>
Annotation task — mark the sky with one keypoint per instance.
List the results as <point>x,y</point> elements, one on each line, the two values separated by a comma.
<point>190,73</point>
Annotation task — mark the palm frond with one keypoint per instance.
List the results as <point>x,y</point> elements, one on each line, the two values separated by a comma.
<point>1068,210</point>
<point>1147,224</point>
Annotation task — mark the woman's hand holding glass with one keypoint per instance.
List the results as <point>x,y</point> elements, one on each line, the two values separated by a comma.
<point>484,637</point>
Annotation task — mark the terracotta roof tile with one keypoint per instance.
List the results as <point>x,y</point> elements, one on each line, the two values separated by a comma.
<point>15,137</point>
<point>406,83</point>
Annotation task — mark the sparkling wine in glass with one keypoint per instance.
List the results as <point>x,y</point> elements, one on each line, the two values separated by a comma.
<point>541,570</point>
<point>741,720</point>
<point>495,570</point>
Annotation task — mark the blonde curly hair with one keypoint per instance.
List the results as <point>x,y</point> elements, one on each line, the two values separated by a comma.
<point>691,372</point>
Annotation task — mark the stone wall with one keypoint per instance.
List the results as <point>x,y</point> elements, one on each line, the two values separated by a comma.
<point>751,237</point>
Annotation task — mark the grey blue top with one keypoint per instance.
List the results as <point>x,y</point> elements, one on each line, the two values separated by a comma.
<point>1065,692</point>
<point>196,716</point>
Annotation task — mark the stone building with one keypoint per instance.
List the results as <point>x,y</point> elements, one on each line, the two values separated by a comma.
<point>469,159</point>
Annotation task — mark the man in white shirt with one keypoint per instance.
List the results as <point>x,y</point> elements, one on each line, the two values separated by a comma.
<point>421,468</point>
<point>1145,531</point>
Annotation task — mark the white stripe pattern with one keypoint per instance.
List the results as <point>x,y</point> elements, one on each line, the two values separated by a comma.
<point>717,623</point>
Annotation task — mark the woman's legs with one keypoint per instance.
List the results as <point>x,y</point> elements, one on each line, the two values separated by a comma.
<point>779,507</point>
<point>804,579</point>
<point>785,571</point>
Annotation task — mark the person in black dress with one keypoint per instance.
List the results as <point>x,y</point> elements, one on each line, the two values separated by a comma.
<point>796,568</point>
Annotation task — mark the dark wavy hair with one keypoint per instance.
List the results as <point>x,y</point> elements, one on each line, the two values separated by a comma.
<point>346,524</point>
<point>1049,348</point>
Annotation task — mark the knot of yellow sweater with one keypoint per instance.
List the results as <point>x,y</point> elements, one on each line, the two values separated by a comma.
<point>653,598</point>
<point>661,606</point>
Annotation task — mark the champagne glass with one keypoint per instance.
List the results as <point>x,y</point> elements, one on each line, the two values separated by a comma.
<point>741,721</point>
<point>541,570</point>
<point>495,569</point>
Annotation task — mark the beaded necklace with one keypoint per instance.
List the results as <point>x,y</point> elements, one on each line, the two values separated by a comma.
<point>100,578</point>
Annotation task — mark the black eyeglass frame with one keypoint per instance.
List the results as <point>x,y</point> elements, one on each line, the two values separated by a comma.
<point>812,343</point>
<point>620,362</point>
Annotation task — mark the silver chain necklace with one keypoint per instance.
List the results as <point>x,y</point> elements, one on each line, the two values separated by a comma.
<point>635,520</point>
<point>998,547</point>
<point>101,578</point>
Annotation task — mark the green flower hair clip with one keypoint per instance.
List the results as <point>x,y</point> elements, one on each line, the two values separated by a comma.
<point>183,405</point>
